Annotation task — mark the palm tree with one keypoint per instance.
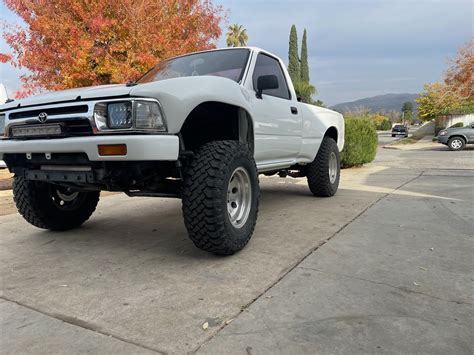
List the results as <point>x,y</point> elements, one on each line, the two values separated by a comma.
<point>237,36</point>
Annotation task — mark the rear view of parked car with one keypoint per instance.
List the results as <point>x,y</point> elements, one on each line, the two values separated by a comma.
<point>399,130</point>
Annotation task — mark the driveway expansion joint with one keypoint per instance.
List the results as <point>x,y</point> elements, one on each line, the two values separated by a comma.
<point>81,324</point>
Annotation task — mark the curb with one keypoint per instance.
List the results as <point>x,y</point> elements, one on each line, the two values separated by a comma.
<point>390,147</point>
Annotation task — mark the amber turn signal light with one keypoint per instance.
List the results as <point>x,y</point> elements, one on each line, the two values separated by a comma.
<point>112,149</point>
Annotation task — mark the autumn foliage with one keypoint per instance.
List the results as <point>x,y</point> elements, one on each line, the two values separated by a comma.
<point>456,94</point>
<point>75,43</point>
<point>460,74</point>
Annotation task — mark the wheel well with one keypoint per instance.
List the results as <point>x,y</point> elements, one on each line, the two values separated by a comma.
<point>214,121</point>
<point>331,133</point>
<point>458,136</point>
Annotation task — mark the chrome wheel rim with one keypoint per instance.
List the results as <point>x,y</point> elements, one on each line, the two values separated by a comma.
<point>332,167</point>
<point>456,144</point>
<point>239,197</point>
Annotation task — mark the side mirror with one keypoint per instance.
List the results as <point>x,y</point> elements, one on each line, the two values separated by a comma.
<point>266,82</point>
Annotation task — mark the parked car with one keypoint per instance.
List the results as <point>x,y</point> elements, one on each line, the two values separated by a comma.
<point>399,130</point>
<point>199,127</point>
<point>457,138</point>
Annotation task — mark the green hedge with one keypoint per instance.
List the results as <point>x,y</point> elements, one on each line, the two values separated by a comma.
<point>360,142</point>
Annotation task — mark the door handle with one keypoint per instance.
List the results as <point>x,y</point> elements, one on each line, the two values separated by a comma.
<point>294,110</point>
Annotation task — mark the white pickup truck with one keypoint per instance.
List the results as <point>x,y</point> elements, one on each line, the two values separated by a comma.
<point>199,127</point>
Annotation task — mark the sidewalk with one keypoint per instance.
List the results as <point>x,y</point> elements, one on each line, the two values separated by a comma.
<point>396,280</point>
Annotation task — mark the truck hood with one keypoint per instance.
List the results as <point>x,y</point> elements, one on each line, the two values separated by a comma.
<point>91,92</point>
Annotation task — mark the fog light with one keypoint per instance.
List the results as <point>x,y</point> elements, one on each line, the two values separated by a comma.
<point>112,149</point>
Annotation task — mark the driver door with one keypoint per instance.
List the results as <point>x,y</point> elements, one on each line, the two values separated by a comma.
<point>277,118</point>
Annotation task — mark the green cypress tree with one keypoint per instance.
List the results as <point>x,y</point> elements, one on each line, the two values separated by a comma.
<point>304,60</point>
<point>293,60</point>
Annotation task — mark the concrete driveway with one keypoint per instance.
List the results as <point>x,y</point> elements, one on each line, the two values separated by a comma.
<point>384,266</point>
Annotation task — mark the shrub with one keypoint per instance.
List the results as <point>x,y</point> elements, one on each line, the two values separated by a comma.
<point>360,142</point>
<point>385,125</point>
<point>381,122</point>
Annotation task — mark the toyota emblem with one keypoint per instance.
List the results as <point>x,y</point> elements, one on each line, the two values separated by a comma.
<point>43,116</point>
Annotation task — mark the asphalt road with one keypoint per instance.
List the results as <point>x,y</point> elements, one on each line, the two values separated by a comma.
<point>385,137</point>
<point>385,266</point>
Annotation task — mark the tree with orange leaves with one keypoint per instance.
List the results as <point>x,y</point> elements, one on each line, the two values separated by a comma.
<point>75,43</point>
<point>456,94</point>
<point>460,74</point>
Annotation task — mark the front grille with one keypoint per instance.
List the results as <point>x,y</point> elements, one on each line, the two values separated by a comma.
<point>77,128</point>
<point>66,110</point>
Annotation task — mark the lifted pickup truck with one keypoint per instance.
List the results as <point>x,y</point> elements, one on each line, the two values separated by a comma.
<point>199,127</point>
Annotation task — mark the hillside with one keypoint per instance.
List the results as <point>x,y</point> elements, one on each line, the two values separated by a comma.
<point>380,103</point>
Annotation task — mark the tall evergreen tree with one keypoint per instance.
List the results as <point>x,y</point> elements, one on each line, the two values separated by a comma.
<point>304,60</point>
<point>293,60</point>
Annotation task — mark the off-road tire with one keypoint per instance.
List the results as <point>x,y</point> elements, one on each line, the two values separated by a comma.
<point>34,201</point>
<point>317,172</point>
<point>206,180</point>
<point>453,139</point>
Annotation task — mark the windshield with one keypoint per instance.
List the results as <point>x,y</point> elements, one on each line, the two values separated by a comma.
<point>228,63</point>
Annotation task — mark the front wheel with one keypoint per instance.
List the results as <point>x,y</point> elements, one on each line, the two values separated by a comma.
<point>53,207</point>
<point>220,197</point>
<point>456,143</point>
<point>323,173</point>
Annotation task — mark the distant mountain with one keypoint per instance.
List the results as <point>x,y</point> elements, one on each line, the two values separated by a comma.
<point>380,103</point>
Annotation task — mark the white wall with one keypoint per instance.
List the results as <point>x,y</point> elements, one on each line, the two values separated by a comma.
<point>448,121</point>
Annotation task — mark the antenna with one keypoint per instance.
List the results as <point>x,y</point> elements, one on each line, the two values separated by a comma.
<point>3,94</point>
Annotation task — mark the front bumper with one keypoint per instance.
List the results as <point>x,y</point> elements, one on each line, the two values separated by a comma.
<point>443,139</point>
<point>139,147</point>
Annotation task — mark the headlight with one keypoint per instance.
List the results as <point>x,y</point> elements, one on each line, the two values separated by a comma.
<point>443,133</point>
<point>2,124</point>
<point>119,115</point>
<point>129,115</point>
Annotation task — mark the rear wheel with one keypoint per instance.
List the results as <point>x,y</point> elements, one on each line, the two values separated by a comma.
<point>324,172</point>
<point>456,143</point>
<point>220,197</point>
<point>53,207</point>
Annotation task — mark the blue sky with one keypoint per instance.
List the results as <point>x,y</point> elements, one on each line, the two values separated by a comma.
<point>357,48</point>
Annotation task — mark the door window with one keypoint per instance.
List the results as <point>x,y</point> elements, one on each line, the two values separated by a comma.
<point>267,65</point>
